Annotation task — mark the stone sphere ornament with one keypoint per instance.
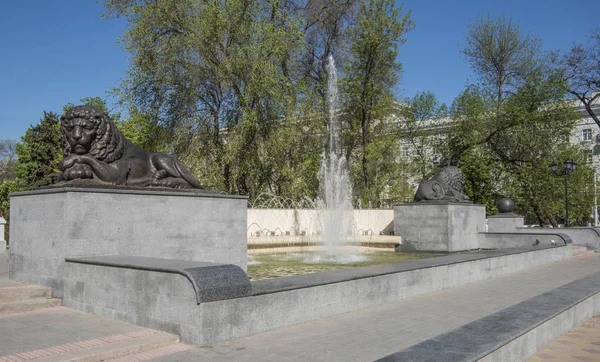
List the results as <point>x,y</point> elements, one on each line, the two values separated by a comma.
<point>506,205</point>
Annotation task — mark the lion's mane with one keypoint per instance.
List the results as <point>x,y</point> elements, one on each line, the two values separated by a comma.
<point>451,176</point>
<point>109,144</point>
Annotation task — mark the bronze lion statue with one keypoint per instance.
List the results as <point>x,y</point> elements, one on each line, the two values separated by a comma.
<point>446,185</point>
<point>96,153</point>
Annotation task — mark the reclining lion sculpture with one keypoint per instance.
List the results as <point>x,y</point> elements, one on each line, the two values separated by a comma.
<point>446,185</point>
<point>97,153</point>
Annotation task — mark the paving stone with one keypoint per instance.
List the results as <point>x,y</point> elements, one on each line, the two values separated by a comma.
<point>37,331</point>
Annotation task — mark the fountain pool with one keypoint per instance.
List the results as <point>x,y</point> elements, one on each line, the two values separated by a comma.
<point>275,265</point>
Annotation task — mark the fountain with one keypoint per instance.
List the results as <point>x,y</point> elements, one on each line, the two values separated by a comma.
<point>328,225</point>
<point>334,203</point>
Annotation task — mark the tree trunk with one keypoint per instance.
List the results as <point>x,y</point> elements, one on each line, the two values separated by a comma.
<point>364,130</point>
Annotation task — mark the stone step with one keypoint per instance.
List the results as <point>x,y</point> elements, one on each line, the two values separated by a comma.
<point>155,353</point>
<point>514,333</point>
<point>23,306</point>
<point>18,292</point>
<point>102,349</point>
<point>581,252</point>
<point>578,250</point>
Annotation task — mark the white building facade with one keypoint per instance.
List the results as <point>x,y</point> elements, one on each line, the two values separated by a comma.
<point>587,134</point>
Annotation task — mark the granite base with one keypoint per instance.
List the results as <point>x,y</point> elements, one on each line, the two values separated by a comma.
<point>446,227</point>
<point>50,225</point>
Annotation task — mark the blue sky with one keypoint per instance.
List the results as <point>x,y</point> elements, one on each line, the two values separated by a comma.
<point>53,52</point>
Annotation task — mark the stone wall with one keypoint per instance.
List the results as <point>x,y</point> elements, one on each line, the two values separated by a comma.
<point>293,222</point>
<point>167,301</point>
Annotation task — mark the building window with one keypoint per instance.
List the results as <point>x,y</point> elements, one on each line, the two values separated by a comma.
<point>589,156</point>
<point>405,151</point>
<point>587,134</point>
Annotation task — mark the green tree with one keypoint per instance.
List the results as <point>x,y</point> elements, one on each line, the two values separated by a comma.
<point>8,182</point>
<point>389,172</point>
<point>142,130</point>
<point>370,75</point>
<point>580,68</point>
<point>237,87</point>
<point>501,54</point>
<point>6,187</point>
<point>423,127</point>
<point>511,126</point>
<point>39,152</point>
<point>224,81</point>
<point>538,192</point>
<point>7,159</point>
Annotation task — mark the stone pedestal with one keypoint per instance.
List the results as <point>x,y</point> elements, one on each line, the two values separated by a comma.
<point>50,225</point>
<point>505,223</point>
<point>428,226</point>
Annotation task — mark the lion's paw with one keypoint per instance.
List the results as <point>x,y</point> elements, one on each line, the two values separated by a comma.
<point>78,171</point>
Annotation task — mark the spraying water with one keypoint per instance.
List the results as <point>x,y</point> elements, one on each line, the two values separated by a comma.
<point>335,206</point>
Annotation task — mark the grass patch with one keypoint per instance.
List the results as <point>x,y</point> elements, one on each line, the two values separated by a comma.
<point>276,265</point>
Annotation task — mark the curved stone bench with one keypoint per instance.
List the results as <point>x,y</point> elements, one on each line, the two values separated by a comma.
<point>163,294</point>
<point>582,236</point>
<point>500,240</point>
<point>211,281</point>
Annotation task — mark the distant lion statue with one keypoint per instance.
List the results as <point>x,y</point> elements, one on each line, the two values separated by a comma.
<point>96,153</point>
<point>446,185</point>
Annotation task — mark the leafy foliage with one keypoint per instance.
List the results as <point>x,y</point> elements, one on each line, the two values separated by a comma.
<point>501,54</point>
<point>508,129</point>
<point>210,70</point>
<point>39,153</point>
<point>143,131</point>
<point>7,159</point>
<point>236,88</point>
<point>370,75</point>
<point>423,127</point>
<point>6,187</point>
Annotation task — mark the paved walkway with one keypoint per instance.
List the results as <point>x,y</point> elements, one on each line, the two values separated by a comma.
<point>363,335</point>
